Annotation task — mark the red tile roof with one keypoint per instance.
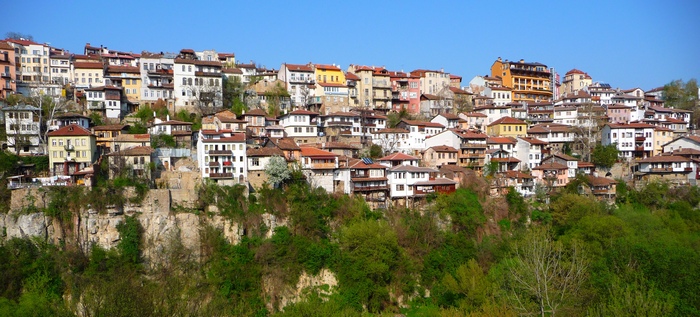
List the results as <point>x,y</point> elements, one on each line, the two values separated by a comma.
<point>329,67</point>
<point>423,123</point>
<point>391,130</point>
<point>507,120</point>
<point>443,148</point>
<point>551,166</point>
<point>314,152</point>
<point>88,65</point>
<point>398,157</point>
<point>134,151</point>
<point>501,140</point>
<point>664,159</point>
<point>235,137</point>
<point>532,140</point>
<point>71,130</point>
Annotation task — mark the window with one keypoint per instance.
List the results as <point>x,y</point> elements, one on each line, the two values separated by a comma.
<point>399,187</point>
<point>255,161</point>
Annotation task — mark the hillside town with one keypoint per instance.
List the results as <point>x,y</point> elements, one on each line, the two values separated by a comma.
<point>390,136</point>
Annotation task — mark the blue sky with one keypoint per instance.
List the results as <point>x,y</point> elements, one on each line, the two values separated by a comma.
<point>628,44</point>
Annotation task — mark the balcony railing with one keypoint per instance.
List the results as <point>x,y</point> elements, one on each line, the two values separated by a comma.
<point>219,152</point>
<point>639,148</point>
<point>661,169</point>
<point>369,188</point>
<point>221,175</point>
<point>322,165</point>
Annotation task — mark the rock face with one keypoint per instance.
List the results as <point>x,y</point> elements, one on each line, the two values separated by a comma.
<point>89,228</point>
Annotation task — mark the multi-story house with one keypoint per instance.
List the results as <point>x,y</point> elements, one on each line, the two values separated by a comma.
<point>367,179</point>
<point>507,126</point>
<point>106,100</point>
<point>570,162</point>
<point>23,129</point>
<point>299,81</point>
<point>448,120</point>
<point>662,136</point>
<point>455,81</point>
<point>494,112</point>
<point>551,174</point>
<point>671,168</point>
<point>501,96</point>
<point>432,105</point>
<point>398,159</point>
<point>432,81</point>
<point>88,72</point>
<point>222,156</point>
<point>352,80</point>
<point>472,120</point>
<point>268,94</point>
<point>126,77</point>
<point>374,86</point>
<point>393,140</point>
<point>32,66</point>
<point>258,158</point>
<point>632,139</point>
<point>575,80</point>
<point>318,166</point>
<point>197,82</point>
<point>405,92</point>
<point>68,118</point>
<point>70,149</point>
<point>105,135</point>
<point>157,82</point>
<point>684,142</point>
<point>8,68</point>
<point>618,113</point>
<point>255,122</point>
<point>472,150</point>
<point>133,160</point>
<point>331,93</point>
<point>601,93</point>
<point>342,124</point>
<point>249,72</point>
<point>301,125</point>
<point>419,131</point>
<point>565,115</point>
<point>60,61</point>
<point>436,156</point>
<point>627,100</point>
<point>529,81</point>
<point>530,152</point>
<point>228,60</point>
<point>412,182</point>
<point>180,130</point>
<point>555,134</point>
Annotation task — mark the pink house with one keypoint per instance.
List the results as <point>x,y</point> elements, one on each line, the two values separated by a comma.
<point>619,113</point>
<point>551,174</point>
<point>405,92</point>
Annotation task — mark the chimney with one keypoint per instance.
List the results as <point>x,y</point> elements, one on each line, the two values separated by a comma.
<point>167,117</point>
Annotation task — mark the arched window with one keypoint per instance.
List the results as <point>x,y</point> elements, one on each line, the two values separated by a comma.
<point>189,81</point>
<point>184,81</point>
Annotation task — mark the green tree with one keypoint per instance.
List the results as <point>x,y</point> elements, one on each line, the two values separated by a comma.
<point>605,156</point>
<point>680,94</point>
<point>370,254</point>
<point>464,209</point>
<point>470,285</point>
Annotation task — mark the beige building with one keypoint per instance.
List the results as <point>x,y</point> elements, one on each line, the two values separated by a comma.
<point>440,155</point>
<point>373,86</point>
<point>574,80</point>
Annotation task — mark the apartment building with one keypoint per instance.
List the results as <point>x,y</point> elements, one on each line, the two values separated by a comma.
<point>575,80</point>
<point>157,79</point>
<point>8,70</point>
<point>299,81</point>
<point>528,81</point>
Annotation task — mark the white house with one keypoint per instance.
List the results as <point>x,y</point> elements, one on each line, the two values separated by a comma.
<point>22,127</point>
<point>318,166</point>
<point>299,80</point>
<point>106,100</point>
<point>222,156</point>
<point>632,139</point>
<point>393,140</point>
<point>529,151</point>
<point>447,120</point>
<point>300,123</point>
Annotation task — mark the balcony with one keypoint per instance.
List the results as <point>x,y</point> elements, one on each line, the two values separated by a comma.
<point>661,170</point>
<point>69,148</point>
<point>213,164</point>
<point>639,139</point>
<point>96,105</point>
<point>473,155</point>
<point>639,148</point>
<point>322,166</point>
<point>221,175</point>
<point>6,75</point>
<point>219,152</point>
<point>473,145</point>
<point>207,74</point>
<point>359,188</point>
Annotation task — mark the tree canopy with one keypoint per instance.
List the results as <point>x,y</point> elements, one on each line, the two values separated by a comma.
<point>605,155</point>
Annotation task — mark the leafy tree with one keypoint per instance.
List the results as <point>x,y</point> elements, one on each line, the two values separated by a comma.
<point>277,170</point>
<point>370,254</point>
<point>469,284</point>
<point>130,233</point>
<point>605,155</point>
<point>680,94</point>
<point>394,118</point>
<point>464,209</point>
<point>18,35</point>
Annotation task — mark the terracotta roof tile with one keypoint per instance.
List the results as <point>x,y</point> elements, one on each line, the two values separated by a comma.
<point>71,130</point>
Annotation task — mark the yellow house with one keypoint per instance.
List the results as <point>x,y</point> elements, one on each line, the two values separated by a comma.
<point>331,93</point>
<point>507,126</point>
<point>128,77</point>
<point>71,149</point>
<point>662,136</point>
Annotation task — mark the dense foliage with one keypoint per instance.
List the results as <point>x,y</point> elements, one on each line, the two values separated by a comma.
<point>461,255</point>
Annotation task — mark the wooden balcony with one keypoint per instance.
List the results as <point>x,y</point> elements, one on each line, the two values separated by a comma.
<point>219,152</point>
<point>661,169</point>
<point>321,166</point>
<point>221,175</point>
<point>360,188</point>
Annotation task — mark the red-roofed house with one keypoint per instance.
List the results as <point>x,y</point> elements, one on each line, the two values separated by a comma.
<point>299,81</point>
<point>365,178</point>
<point>71,149</point>
<point>632,139</point>
<point>318,167</point>
<point>439,155</point>
<point>673,168</point>
<point>530,152</point>
<point>405,92</point>
<point>8,83</point>
<point>551,174</point>
<point>180,130</point>
<point>397,159</point>
<point>221,156</point>
<point>507,127</point>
